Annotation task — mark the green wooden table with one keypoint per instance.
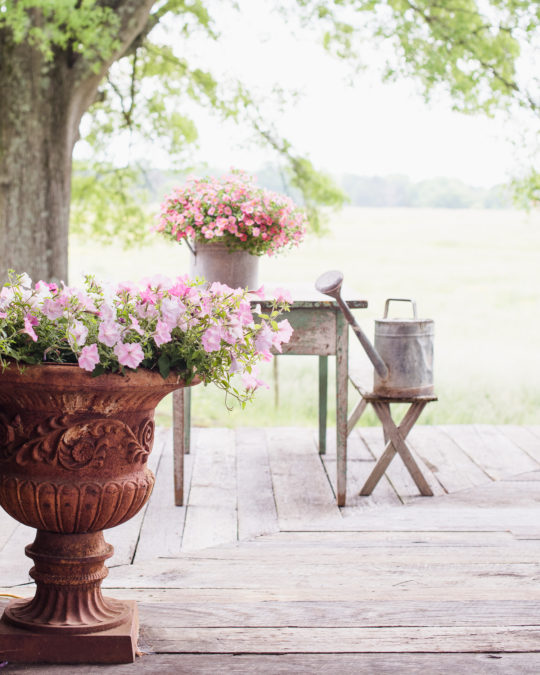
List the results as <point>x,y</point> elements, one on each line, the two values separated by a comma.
<point>320,329</point>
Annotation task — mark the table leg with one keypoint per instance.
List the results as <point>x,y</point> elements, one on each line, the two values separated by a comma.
<point>187,420</point>
<point>323,402</point>
<point>179,444</point>
<point>342,377</point>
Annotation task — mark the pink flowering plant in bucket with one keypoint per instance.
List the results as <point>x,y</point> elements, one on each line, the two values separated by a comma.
<point>162,325</point>
<point>233,210</point>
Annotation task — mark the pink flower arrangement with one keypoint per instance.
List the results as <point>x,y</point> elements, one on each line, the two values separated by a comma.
<point>232,210</point>
<point>165,324</point>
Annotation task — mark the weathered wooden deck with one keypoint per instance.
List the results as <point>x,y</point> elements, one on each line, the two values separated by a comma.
<point>261,572</point>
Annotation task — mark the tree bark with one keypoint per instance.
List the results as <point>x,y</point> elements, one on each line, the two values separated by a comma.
<point>41,105</point>
<point>36,141</point>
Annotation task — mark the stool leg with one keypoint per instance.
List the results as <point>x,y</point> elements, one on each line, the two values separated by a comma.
<point>378,471</point>
<point>179,440</point>
<point>395,442</point>
<point>397,438</point>
<point>356,415</point>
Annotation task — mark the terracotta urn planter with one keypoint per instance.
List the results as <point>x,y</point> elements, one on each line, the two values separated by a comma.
<point>216,262</point>
<point>73,462</point>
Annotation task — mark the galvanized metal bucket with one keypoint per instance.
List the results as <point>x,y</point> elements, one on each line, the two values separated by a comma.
<point>406,347</point>
<point>215,262</point>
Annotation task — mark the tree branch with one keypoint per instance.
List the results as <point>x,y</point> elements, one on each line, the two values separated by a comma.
<point>132,18</point>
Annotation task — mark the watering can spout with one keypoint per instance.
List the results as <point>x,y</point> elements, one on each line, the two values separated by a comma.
<point>330,284</point>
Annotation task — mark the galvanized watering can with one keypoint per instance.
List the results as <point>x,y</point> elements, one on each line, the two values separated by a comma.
<point>403,352</point>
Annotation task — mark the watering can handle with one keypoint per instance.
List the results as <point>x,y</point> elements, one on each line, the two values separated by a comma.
<point>387,304</point>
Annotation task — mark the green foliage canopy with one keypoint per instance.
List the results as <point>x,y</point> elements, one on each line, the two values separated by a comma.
<point>473,49</point>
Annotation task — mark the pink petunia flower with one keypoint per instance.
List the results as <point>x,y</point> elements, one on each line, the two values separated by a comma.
<point>211,339</point>
<point>162,333</point>
<point>53,309</point>
<point>283,334</point>
<point>244,313</point>
<point>106,312</point>
<point>135,325</point>
<point>109,333</point>
<point>282,295</point>
<point>29,323</point>
<point>89,357</point>
<point>264,338</point>
<point>77,334</point>
<point>171,309</point>
<point>129,354</point>
<point>260,292</point>
<point>251,381</point>
<point>235,366</point>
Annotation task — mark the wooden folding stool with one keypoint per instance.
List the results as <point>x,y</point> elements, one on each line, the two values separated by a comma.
<point>394,436</point>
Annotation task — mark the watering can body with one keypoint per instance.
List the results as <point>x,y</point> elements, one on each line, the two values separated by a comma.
<point>406,347</point>
<point>403,351</point>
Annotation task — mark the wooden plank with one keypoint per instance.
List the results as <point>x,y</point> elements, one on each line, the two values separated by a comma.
<point>124,537</point>
<point>324,640</point>
<point>447,519</point>
<point>340,614</point>
<point>360,574</point>
<point>14,565</point>
<point>356,448</point>
<point>299,559</point>
<point>384,538</point>
<point>533,476</point>
<point>211,516</point>
<point>360,461</point>
<point>257,513</point>
<point>304,498</point>
<point>401,590</point>
<point>496,454</point>
<point>525,663</point>
<point>163,524</point>
<point>453,469</point>
<point>534,428</point>
<point>523,437</point>
<point>384,494</point>
<point>7,527</point>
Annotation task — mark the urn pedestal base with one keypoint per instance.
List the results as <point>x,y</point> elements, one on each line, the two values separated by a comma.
<point>115,645</point>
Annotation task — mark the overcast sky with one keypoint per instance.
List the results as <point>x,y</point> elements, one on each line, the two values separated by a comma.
<point>364,127</point>
<point>367,127</point>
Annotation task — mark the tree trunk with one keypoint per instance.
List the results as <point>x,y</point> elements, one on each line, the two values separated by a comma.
<point>38,129</point>
<point>41,105</point>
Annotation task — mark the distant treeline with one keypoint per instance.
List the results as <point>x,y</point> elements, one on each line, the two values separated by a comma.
<point>447,193</point>
<point>373,191</point>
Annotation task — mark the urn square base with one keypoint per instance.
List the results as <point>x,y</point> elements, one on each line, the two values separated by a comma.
<point>116,645</point>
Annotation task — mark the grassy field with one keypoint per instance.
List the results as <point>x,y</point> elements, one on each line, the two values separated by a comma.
<point>476,273</point>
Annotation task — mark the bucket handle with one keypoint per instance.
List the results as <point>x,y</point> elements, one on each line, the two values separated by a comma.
<point>387,304</point>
